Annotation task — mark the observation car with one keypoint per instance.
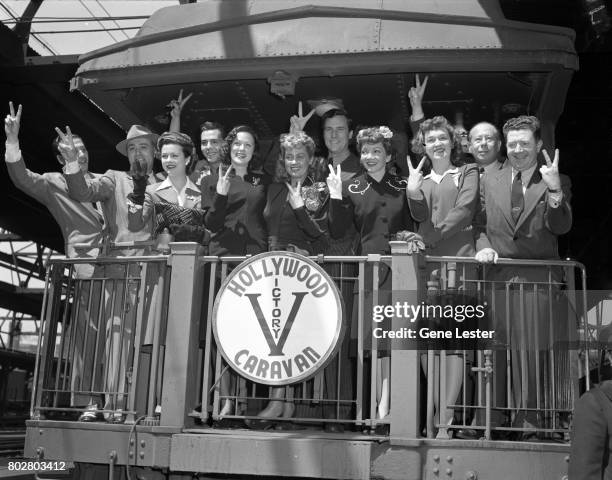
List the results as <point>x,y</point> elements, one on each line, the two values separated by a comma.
<point>250,63</point>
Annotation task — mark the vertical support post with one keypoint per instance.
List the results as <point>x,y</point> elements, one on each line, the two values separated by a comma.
<point>405,364</point>
<point>181,355</point>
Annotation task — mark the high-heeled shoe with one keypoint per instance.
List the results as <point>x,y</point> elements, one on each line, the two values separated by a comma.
<point>227,408</point>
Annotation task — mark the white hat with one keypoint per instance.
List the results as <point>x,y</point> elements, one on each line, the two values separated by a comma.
<point>136,131</point>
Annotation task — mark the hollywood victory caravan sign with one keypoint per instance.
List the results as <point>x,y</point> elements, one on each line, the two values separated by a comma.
<point>277,318</point>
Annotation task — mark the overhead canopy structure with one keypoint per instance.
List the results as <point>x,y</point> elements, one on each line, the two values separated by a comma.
<point>226,52</point>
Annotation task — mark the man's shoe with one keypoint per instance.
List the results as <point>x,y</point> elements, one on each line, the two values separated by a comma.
<point>90,414</point>
<point>468,434</point>
<point>115,417</point>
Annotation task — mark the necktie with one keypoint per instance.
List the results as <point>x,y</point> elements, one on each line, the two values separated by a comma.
<point>516,198</point>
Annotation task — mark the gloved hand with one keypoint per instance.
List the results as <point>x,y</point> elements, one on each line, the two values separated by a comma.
<point>139,176</point>
<point>190,233</point>
<point>415,241</point>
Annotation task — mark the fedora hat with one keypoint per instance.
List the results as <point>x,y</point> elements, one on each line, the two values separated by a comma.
<point>324,105</point>
<point>136,131</point>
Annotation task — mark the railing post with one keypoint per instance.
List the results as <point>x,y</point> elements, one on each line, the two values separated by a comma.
<point>405,363</point>
<point>180,384</point>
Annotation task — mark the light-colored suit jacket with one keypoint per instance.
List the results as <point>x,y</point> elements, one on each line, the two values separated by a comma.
<point>81,223</point>
<point>111,189</point>
<point>162,192</point>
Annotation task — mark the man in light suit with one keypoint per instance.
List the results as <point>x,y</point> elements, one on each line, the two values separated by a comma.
<point>82,226</point>
<point>113,189</point>
<point>523,210</point>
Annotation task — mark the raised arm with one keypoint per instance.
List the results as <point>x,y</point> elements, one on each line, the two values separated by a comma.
<point>307,224</point>
<point>558,210</point>
<point>176,107</point>
<point>340,208</point>
<point>214,201</point>
<point>96,190</point>
<point>140,202</point>
<point>416,95</point>
<point>414,193</point>
<point>299,121</point>
<point>32,183</point>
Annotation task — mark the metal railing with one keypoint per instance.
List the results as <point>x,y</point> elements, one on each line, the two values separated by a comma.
<point>524,384</point>
<point>101,339</point>
<point>344,392</point>
<point>135,334</point>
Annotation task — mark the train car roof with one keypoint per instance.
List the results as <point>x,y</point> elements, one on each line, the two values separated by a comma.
<point>212,42</point>
<point>215,31</point>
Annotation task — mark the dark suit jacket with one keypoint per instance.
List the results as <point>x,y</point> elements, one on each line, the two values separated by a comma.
<point>377,209</point>
<point>535,234</point>
<point>292,226</point>
<point>592,435</point>
<point>236,219</point>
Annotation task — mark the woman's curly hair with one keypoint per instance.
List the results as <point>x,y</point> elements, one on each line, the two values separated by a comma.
<point>437,123</point>
<point>380,134</point>
<point>255,164</point>
<point>317,169</point>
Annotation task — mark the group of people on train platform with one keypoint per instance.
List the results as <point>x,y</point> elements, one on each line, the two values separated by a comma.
<point>461,199</point>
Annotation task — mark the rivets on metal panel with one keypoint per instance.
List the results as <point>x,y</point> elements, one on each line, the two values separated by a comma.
<point>131,453</point>
<point>436,458</point>
<point>471,475</point>
<point>141,454</point>
<point>449,472</point>
<point>436,470</point>
<point>131,441</point>
<point>142,443</point>
<point>449,459</point>
<point>567,459</point>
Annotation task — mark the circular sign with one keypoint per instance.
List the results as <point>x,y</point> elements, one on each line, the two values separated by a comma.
<point>277,318</point>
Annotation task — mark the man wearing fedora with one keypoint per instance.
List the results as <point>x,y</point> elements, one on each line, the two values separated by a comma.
<point>113,190</point>
<point>114,187</point>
